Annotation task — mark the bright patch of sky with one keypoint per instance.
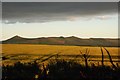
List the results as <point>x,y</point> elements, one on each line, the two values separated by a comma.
<point>97,27</point>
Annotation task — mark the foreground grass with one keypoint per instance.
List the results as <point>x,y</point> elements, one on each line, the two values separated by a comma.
<point>59,70</point>
<point>56,69</point>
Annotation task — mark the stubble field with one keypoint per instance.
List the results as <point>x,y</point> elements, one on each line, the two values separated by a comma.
<point>12,53</point>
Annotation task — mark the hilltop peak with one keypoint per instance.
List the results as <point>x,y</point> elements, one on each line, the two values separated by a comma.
<point>16,37</point>
<point>74,37</point>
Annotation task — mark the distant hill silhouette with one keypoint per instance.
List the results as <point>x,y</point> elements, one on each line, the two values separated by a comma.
<point>64,41</point>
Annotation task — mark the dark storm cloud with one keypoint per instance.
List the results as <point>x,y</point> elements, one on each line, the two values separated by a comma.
<point>27,12</point>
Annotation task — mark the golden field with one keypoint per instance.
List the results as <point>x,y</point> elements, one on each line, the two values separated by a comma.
<point>45,49</point>
<point>25,52</point>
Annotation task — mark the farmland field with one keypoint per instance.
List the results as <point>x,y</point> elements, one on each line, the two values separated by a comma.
<point>31,52</point>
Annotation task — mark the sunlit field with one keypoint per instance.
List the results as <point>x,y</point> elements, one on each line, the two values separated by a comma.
<point>44,53</point>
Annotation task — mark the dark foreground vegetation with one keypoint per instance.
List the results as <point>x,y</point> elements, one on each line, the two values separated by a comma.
<point>59,70</point>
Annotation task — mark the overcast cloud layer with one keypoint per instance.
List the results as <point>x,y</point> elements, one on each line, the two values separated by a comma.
<point>29,12</point>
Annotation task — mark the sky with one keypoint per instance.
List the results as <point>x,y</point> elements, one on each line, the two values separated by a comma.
<point>54,19</point>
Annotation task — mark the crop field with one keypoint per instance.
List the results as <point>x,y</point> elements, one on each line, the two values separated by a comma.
<point>43,53</point>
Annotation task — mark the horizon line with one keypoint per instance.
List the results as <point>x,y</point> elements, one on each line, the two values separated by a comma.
<point>62,36</point>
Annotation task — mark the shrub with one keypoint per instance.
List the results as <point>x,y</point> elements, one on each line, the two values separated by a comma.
<point>20,71</point>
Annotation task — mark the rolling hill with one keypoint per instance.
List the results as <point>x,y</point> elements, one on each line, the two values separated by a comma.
<point>64,41</point>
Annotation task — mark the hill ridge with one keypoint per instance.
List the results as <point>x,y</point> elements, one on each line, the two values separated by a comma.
<point>71,40</point>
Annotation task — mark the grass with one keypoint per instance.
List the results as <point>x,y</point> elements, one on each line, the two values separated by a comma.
<point>29,52</point>
<point>45,49</point>
<point>52,62</point>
